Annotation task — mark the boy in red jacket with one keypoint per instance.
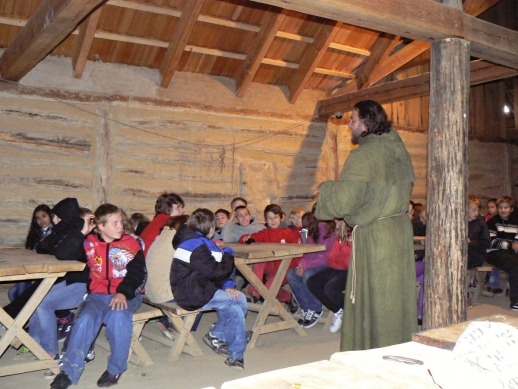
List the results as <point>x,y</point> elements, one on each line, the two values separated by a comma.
<point>117,277</point>
<point>273,234</point>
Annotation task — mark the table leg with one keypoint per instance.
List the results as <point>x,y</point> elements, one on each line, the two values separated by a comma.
<point>15,330</point>
<point>270,300</point>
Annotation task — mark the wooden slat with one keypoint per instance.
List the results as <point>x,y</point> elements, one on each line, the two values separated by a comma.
<point>422,20</point>
<point>257,52</point>
<point>381,50</point>
<point>84,42</point>
<point>476,7</point>
<point>408,88</point>
<point>312,56</point>
<point>181,34</point>
<point>50,24</point>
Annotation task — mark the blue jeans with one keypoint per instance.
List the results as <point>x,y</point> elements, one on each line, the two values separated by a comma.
<point>42,324</point>
<point>119,328</point>
<point>17,289</point>
<point>230,327</point>
<point>298,285</point>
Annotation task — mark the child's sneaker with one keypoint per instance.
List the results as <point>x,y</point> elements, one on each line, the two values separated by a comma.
<point>514,307</point>
<point>337,321</point>
<point>311,318</point>
<point>252,299</point>
<point>24,353</point>
<point>107,380</point>
<point>293,305</point>
<point>302,317</point>
<point>61,381</point>
<point>236,364</point>
<point>219,347</point>
<point>90,357</point>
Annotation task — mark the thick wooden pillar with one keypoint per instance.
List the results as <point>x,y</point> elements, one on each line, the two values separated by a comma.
<point>446,231</point>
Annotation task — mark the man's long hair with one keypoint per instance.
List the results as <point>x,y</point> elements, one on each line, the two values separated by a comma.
<point>374,117</point>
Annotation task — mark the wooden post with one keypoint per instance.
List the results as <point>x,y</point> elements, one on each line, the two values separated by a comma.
<point>446,231</point>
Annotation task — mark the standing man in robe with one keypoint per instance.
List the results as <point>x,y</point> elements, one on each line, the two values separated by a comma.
<point>372,196</point>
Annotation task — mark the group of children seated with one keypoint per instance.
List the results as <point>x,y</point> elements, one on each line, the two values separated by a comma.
<point>175,257</point>
<point>183,258</point>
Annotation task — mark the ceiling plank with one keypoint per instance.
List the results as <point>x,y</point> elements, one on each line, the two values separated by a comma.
<point>312,56</point>
<point>423,20</point>
<point>381,49</point>
<point>182,31</point>
<point>481,72</point>
<point>52,22</point>
<point>84,42</point>
<point>257,51</point>
<point>476,7</point>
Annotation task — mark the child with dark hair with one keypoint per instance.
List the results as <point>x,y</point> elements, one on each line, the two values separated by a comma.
<point>503,253</point>
<point>243,224</point>
<point>222,216</point>
<point>310,264</point>
<point>200,279</point>
<point>117,277</point>
<point>492,208</point>
<point>478,234</point>
<point>273,234</point>
<point>139,221</point>
<point>167,204</point>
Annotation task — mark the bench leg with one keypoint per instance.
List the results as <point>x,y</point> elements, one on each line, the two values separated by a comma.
<point>136,347</point>
<point>184,337</point>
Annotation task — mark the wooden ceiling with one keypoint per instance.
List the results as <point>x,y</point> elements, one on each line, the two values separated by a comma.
<point>248,41</point>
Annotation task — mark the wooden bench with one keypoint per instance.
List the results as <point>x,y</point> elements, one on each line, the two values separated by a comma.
<point>480,277</point>
<point>182,321</point>
<point>137,353</point>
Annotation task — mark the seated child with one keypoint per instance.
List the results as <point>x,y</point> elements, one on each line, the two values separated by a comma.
<point>419,223</point>
<point>243,224</point>
<point>117,277</point>
<point>139,221</point>
<point>273,234</point>
<point>492,209</point>
<point>222,215</point>
<point>503,253</point>
<point>309,264</point>
<point>200,279</point>
<point>478,234</point>
<point>296,218</point>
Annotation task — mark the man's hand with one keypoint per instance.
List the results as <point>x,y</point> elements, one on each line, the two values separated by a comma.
<point>233,293</point>
<point>118,302</point>
<point>299,271</point>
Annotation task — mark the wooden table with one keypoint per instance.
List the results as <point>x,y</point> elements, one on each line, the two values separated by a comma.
<point>20,264</point>
<point>248,254</point>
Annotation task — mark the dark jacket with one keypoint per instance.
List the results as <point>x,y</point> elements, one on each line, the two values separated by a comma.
<point>115,267</point>
<point>479,242</point>
<point>66,239</point>
<point>199,268</point>
<point>503,232</point>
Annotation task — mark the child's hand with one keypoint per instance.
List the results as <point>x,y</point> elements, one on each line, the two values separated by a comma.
<point>118,302</point>
<point>515,246</point>
<point>233,293</point>
<point>88,225</point>
<point>219,242</point>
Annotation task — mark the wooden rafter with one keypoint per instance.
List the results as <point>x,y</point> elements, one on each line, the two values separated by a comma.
<point>183,29</point>
<point>256,53</point>
<point>312,57</point>
<point>481,72</point>
<point>84,42</point>
<point>476,7</point>
<point>423,20</point>
<point>50,24</point>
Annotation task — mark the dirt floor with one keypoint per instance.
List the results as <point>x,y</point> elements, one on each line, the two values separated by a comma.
<point>273,351</point>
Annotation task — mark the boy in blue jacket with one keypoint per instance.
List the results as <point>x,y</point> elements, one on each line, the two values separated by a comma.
<point>200,279</point>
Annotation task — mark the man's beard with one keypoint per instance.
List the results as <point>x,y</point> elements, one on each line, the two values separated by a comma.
<point>355,139</point>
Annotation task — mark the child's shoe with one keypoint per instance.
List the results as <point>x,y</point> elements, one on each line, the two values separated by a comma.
<point>236,364</point>
<point>61,381</point>
<point>90,357</point>
<point>302,317</point>
<point>107,380</point>
<point>64,326</point>
<point>293,305</point>
<point>337,321</point>
<point>219,347</point>
<point>311,318</point>
<point>514,307</point>
<point>252,299</point>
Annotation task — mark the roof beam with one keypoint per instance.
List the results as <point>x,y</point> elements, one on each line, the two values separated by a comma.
<point>481,72</point>
<point>312,56</point>
<point>476,7</point>
<point>52,22</point>
<point>258,50</point>
<point>423,20</point>
<point>84,42</point>
<point>182,31</point>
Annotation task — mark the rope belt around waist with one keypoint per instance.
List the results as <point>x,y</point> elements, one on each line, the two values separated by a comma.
<point>352,265</point>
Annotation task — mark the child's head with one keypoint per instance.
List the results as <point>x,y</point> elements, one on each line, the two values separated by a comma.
<point>222,215</point>
<point>243,216</point>
<point>411,210</point>
<point>174,222</point>
<point>421,214</point>
<point>203,220</point>
<point>41,216</point>
<point>66,210</point>
<point>492,208</point>
<point>238,202</point>
<point>170,204</point>
<point>110,223</point>
<point>474,207</point>
<point>505,206</point>
<point>296,217</point>
<point>273,215</point>
<point>137,218</point>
